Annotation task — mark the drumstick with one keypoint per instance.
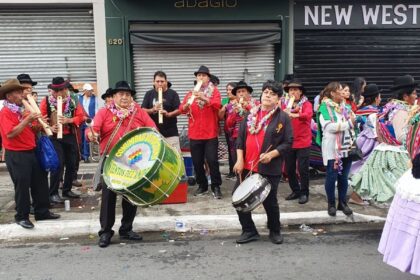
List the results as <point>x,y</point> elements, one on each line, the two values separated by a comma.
<point>161,104</point>
<point>59,114</point>
<point>30,108</point>
<point>196,89</point>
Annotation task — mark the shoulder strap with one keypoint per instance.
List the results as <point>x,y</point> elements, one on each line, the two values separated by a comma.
<point>114,132</point>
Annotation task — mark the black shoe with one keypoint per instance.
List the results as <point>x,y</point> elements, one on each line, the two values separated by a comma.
<point>76,183</point>
<point>201,191</point>
<point>70,194</point>
<point>105,239</point>
<point>276,237</point>
<point>25,223</point>
<point>303,199</point>
<point>230,176</point>
<point>248,236</point>
<point>131,235</point>
<point>332,210</point>
<point>32,210</point>
<point>49,216</point>
<point>216,192</point>
<point>292,196</point>
<point>56,199</point>
<point>345,208</point>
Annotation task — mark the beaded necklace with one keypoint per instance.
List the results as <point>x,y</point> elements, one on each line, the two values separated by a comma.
<point>119,112</point>
<point>14,108</point>
<point>253,127</point>
<point>69,105</point>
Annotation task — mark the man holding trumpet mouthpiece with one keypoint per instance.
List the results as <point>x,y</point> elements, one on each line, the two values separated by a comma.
<point>168,107</point>
<point>19,142</point>
<point>64,139</point>
<point>202,106</point>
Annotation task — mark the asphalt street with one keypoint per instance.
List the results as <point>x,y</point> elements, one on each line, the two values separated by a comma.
<point>205,255</point>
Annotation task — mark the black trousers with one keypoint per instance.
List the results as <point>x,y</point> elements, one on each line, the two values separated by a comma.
<point>67,152</point>
<point>206,149</point>
<point>230,148</point>
<point>302,157</point>
<point>107,214</point>
<point>270,204</point>
<point>27,175</point>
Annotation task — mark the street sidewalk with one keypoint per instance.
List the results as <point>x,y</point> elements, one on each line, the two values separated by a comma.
<point>198,214</point>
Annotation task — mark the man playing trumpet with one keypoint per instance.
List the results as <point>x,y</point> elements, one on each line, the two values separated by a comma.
<point>72,116</point>
<point>202,106</point>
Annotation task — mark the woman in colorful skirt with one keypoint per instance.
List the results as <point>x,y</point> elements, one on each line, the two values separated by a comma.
<point>400,240</point>
<point>388,162</point>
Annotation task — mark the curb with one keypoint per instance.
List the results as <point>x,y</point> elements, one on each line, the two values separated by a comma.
<point>68,228</point>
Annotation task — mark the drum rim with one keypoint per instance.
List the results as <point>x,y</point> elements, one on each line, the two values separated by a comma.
<point>247,196</point>
<point>114,149</point>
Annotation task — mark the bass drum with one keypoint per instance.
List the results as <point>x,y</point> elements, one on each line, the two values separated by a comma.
<point>251,193</point>
<point>143,167</point>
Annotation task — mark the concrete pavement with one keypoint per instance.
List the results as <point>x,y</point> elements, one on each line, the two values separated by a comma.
<point>198,214</point>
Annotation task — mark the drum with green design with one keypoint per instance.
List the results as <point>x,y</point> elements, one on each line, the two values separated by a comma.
<point>143,167</point>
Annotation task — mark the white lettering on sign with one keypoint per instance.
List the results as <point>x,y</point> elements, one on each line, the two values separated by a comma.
<point>370,15</point>
<point>338,15</point>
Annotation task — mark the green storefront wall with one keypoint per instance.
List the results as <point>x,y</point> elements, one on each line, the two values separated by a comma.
<point>119,15</point>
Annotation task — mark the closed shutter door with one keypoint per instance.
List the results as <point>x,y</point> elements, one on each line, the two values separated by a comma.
<point>342,55</point>
<point>254,64</point>
<point>47,42</point>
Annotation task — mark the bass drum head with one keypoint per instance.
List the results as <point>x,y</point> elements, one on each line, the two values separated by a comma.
<point>132,158</point>
<point>246,188</point>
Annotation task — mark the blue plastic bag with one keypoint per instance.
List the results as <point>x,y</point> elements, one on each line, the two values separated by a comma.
<point>46,154</point>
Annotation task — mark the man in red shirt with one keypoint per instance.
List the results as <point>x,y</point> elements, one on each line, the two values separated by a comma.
<point>300,112</point>
<point>202,108</point>
<point>19,142</point>
<point>66,147</point>
<point>106,120</point>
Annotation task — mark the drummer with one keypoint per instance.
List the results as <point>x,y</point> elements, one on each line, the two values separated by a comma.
<point>265,135</point>
<point>105,122</point>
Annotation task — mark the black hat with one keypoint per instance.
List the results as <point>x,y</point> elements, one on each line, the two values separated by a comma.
<point>58,83</point>
<point>242,84</point>
<point>295,83</point>
<point>371,90</point>
<point>203,69</point>
<point>26,79</point>
<point>107,93</point>
<point>287,78</point>
<point>406,81</point>
<point>123,86</point>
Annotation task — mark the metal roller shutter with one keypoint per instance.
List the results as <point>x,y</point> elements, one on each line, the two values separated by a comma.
<point>47,42</point>
<point>378,55</point>
<point>254,64</point>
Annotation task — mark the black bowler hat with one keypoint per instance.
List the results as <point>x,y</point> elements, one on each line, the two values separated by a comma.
<point>123,86</point>
<point>406,81</point>
<point>108,93</point>
<point>295,83</point>
<point>58,83</point>
<point>287,78</point>
<point>203,69</point>
<point>26,79</point>
<point>241,84</point>
<point>371,90</point>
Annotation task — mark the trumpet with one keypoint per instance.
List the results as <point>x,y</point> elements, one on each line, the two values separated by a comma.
<point>196,89</point>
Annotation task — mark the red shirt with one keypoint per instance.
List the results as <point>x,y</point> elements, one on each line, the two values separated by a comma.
<point>302,133</point>
<point>203,123</point>
<point>105,122</point>
<point>352,105</point>
<point>253,145</point>
<point>78,116</point>
<point>24,141</point>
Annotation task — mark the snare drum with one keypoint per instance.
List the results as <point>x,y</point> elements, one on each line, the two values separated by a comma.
<point>143,167</point>
<point>251,193</point>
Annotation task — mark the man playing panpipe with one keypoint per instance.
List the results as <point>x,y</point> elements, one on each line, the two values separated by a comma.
<point>202,106</point>
<point>21,161</point>
<point>66,147</point>
<point>132,116</point>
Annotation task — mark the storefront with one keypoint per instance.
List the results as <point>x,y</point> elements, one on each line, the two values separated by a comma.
<point>342,40</point>
<point>53,38</point>
<point>236,39</point>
